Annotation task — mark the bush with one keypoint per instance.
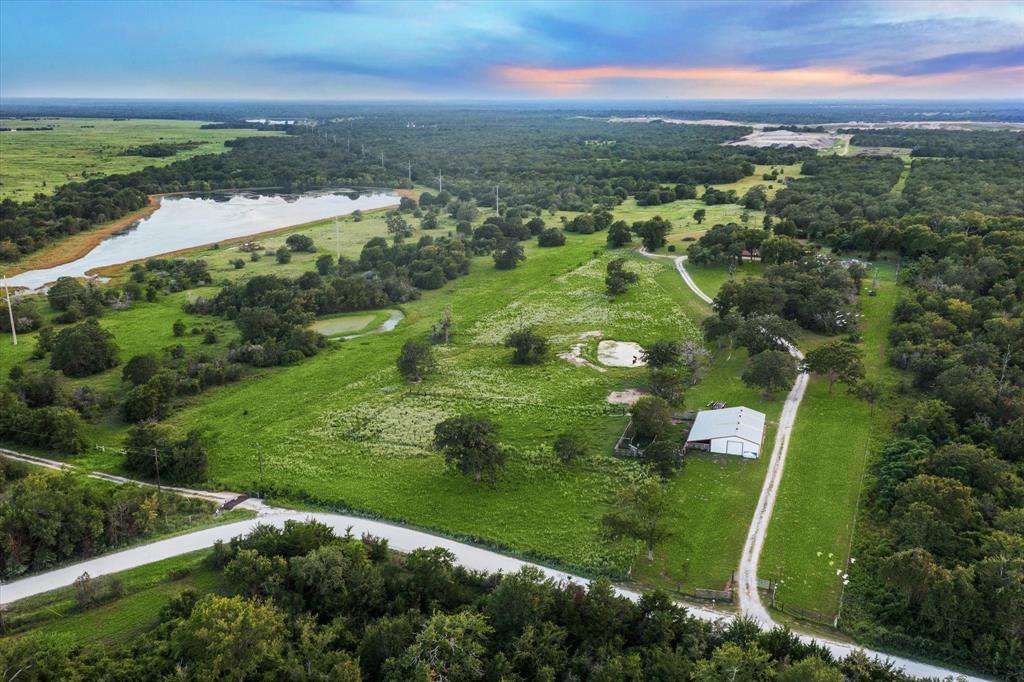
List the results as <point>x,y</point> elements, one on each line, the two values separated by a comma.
<point>178,328</point>
<point>140,369</point>
<point>84,349</point>
<point>238,263</point>
<point>652,417</point>
<point>508,255</point>
<point>300,242</point>
<point>551,237</point>
<point>283,256</point>
<point>569,447</point>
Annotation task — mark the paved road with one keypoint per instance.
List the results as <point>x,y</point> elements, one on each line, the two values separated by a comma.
<point>476,558</point>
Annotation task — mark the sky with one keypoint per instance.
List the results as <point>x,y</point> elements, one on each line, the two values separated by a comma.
<point>438,50</point>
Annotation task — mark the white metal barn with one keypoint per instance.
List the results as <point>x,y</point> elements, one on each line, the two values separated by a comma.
<point>729,431</point>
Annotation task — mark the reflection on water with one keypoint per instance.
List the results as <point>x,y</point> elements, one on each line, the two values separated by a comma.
<point>188,221</point>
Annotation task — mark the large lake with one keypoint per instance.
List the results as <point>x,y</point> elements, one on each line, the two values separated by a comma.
<point>183,222</point>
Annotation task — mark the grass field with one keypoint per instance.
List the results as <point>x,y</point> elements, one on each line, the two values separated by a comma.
<point>56,616</point>
<point>343,429</point>
<point>84,148</point>
<point>811,530</point>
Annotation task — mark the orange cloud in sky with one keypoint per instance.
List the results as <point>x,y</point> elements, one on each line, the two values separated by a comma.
<point>569,81</point>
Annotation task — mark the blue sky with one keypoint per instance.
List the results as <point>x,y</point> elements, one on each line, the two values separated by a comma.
<point>511,50</point>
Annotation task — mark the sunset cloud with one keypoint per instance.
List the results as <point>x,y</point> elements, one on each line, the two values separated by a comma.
<point>488,49</point>
<point>563,82</point>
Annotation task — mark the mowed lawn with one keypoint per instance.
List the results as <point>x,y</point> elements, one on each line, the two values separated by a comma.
<point>78,149</point>
<point>809,536</point>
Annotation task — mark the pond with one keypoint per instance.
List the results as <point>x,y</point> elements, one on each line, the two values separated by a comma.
<point>184,222</point>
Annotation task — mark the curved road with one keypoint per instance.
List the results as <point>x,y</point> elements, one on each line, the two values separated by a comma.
<point>476,558</point>
<point>750,603</point>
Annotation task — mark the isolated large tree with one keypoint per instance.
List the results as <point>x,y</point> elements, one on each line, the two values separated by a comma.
<point>837,361</point>
<point>469,444</point>
<point>527,346</point>
<point>639,513</point>
<point>618,278</point>
<point>652,232</point>
<point>416,359</point>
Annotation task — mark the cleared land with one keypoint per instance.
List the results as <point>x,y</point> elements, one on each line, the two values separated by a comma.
<point>39,161</point>
<point>809,537</point>
<point>355,435</point>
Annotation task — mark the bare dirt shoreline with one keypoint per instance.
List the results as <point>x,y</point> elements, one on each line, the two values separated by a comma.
<point>74,247</point>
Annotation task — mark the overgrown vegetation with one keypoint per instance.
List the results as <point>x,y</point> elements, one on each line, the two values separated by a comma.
<point>305,604</point>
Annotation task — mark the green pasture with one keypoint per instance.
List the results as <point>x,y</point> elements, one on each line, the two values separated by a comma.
<point>84,148</point>
<point>810,532</point>
<point>115,620</point>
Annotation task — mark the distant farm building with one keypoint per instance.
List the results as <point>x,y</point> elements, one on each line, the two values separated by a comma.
<point>729,431</point>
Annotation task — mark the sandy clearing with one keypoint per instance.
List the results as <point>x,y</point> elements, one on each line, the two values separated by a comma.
<point>575,354</point>
<point>626,397</point>
<point>784,138</point>
<point>620,354</point>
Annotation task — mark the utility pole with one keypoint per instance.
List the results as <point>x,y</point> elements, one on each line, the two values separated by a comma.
<point>440,182</point>
<point>410,172</point>
<point>10,312</point>
<point>382,159</point>
<point>159,488</point>
<point>496,199</point>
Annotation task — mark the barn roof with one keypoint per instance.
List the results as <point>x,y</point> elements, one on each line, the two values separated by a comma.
<point>731,422</point>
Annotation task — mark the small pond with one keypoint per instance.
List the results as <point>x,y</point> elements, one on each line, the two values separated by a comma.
<point>184,222</point>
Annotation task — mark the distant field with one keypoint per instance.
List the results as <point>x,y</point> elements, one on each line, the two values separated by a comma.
<point>84,148</point>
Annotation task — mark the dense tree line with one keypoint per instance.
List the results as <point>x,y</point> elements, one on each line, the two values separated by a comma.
<point>545,161</point>
<point>952,186</point>
<point>838,190</point>
<point>48,519</point>
<point>306,605</point>
<point>943,566</point>
<point>816,292</point>
<point>960,144</point>
<point>272,313</point>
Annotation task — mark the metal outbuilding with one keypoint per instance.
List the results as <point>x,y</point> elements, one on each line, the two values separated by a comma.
<point>729,431</point>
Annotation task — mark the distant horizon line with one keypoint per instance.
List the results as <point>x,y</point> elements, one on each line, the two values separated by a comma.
<point>556,100</point>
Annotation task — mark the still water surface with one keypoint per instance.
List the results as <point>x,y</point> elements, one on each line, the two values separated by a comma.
<point>187,221</point>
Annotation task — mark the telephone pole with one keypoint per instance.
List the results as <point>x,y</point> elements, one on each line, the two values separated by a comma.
<point>159,488</point>
<point>382,159</point>
<point>496,199</point>
<point>440,182</point>
<point>10,312</point>
<point>410,172</point>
